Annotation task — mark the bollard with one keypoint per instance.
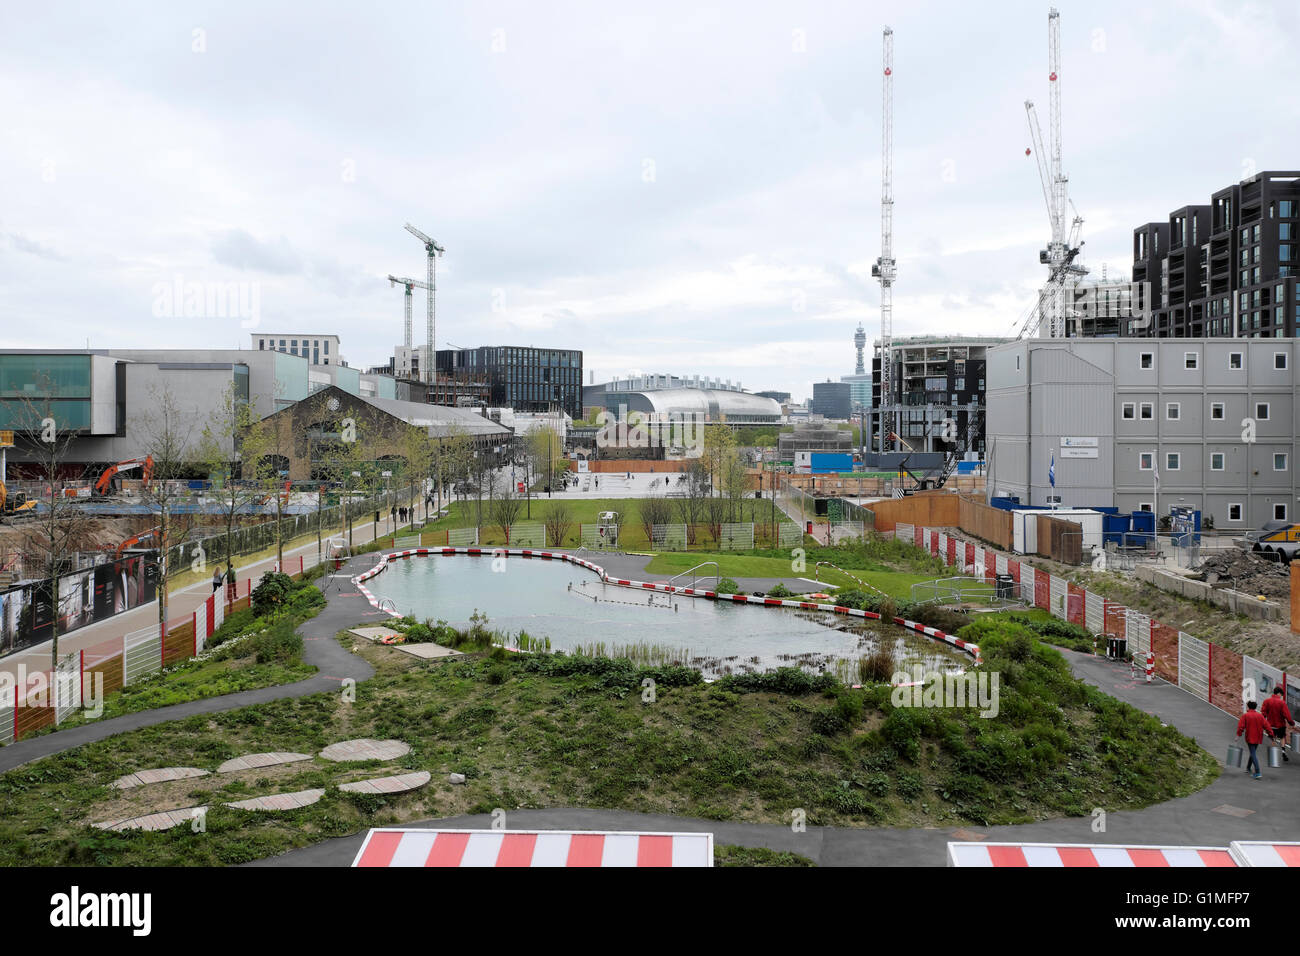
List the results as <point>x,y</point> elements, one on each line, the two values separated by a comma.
<point>1151,666</point>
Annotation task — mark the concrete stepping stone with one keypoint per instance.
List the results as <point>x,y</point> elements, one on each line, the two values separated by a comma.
<point>158,775</point>
<point>398,784</point>
<point>254,761</point>
<point>364,748</point>
<point>154,821</point>
<point>279,801</point>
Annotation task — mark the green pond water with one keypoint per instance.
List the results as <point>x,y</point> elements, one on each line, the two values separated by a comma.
<point>572,607</point>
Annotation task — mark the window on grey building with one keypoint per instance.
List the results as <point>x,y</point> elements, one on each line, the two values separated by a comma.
<point>1145,461</point>
<point>1191,360</point>
<point>1128,411</point>
<point>1234,360</point>
<point>1147,360</point>
<point>1279,512</point>
<point>1234,512</point>
<point>1279,358</point>
<point>1148,410</point>
<point>1216,411</point>
<point>1172,410</point>
<point>1216,461</point>
<point>1172,460</point>
<point>1261,411</point>
<point>1145,506</point>
<point>1279,461</point>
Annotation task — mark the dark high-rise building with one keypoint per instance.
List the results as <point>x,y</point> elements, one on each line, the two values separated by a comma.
<point>523,378</point>
<point>1226,269</point>
<point>832,400</point>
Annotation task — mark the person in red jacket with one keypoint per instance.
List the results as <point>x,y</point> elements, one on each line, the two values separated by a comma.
<point>1254,726</point>
<point>1278,715</point>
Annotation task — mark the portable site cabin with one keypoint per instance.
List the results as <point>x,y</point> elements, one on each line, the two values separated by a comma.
<point>1024,527</point>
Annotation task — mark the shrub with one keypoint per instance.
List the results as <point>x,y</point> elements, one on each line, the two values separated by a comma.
<point>271,592</point>
<point>780,591</point>
<point>828,723</point>
<point>498,674</point>
<point>280,644</point>
<point>783,680</point>
<point>878,667</point>
<point>727,586</point>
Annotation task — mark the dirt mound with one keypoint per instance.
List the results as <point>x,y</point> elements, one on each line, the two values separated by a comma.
<point>1247,572</point>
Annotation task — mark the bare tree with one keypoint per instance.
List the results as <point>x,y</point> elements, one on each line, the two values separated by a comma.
<point>690,506</point>
<point>559,521</point>
<point>504,510</point>
<point>219,450</point>
<point>653,511</point>
<point>53,537</point>
<point>167,433</point>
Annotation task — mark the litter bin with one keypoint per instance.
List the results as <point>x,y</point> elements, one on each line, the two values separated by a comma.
<point>1117,648</point>
<point>1006,587</point>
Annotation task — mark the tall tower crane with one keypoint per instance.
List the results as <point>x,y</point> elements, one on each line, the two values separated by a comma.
<point>1062,249</point>
<point>409,285</point>
<point>432,251</point>
<point>884,268</point>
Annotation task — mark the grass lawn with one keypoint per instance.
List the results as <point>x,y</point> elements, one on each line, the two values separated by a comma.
<point>538,731</point>
<point>897,584</point>
<point>463,514</point>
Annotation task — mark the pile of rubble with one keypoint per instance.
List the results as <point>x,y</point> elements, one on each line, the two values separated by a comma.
<point>1247,572</point>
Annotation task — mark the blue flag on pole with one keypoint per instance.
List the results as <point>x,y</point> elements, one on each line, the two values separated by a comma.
<point>1051,471</point>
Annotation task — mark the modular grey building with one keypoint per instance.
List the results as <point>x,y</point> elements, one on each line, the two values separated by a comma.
<point>1144,424</point>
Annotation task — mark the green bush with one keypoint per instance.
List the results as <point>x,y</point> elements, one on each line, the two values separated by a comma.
<point>780,591</point>
<point>783,680</point>
<point>279,644</point>
<point>727,586</point>
<point>271,592</point>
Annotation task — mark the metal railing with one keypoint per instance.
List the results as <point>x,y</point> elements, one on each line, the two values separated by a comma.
<point>964,591</point>
<point>717,577</point>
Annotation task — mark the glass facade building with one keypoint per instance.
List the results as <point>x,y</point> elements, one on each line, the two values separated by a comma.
<point>523,378</point>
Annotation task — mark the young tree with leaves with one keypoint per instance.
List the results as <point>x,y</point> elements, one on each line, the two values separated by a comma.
<point>219,449</point>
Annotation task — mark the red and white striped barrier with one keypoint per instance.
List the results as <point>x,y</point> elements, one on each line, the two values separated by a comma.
<point>385,559</point>
<point>1085,855</point>
<point>532,848</point>
<point>1251,853</point>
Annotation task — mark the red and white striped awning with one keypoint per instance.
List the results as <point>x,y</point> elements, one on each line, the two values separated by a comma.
<point>1266,854</point>
<point>416,847</point>
<point>1082,854</point>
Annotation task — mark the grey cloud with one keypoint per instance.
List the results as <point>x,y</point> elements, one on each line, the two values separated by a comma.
<point>241,250</point>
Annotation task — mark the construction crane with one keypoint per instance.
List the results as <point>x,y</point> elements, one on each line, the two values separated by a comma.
<point>432,251</point>
<point>1062,249</point>
<point>408,285</point>
<point>885,269</point>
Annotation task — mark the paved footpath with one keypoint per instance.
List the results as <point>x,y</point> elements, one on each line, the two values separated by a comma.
<point>181,604</point>
<point>1234,807</point>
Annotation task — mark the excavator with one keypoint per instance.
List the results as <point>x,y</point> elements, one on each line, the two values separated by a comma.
<point>104,485</point>
<point>136,540</point>
<point>15,504</point>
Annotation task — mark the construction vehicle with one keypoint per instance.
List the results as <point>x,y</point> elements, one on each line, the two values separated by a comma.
<point>104,485</point>
<point>921,483</point>
<point>1281,538</point>
<point>15,504</point>
<point>136,540</point>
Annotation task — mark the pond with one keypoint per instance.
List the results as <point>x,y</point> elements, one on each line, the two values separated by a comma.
<point>579,613</point>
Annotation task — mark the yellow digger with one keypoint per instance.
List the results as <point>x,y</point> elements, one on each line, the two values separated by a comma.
<point>15,504</point>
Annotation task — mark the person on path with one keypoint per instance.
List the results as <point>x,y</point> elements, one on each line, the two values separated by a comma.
<point>1275,711</point>
<point>216,580</point>
<point>1254,726</point>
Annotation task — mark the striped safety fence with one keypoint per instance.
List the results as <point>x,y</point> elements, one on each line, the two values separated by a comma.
<point>532,848</point>
<point>1085,855</point>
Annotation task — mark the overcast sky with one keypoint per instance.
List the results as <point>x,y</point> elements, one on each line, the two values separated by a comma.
<point>671,188</point>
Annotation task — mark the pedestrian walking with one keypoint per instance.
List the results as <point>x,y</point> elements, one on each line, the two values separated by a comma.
<point>216,580</point>
<point>1278,715</point>
<point>1253,725</point>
